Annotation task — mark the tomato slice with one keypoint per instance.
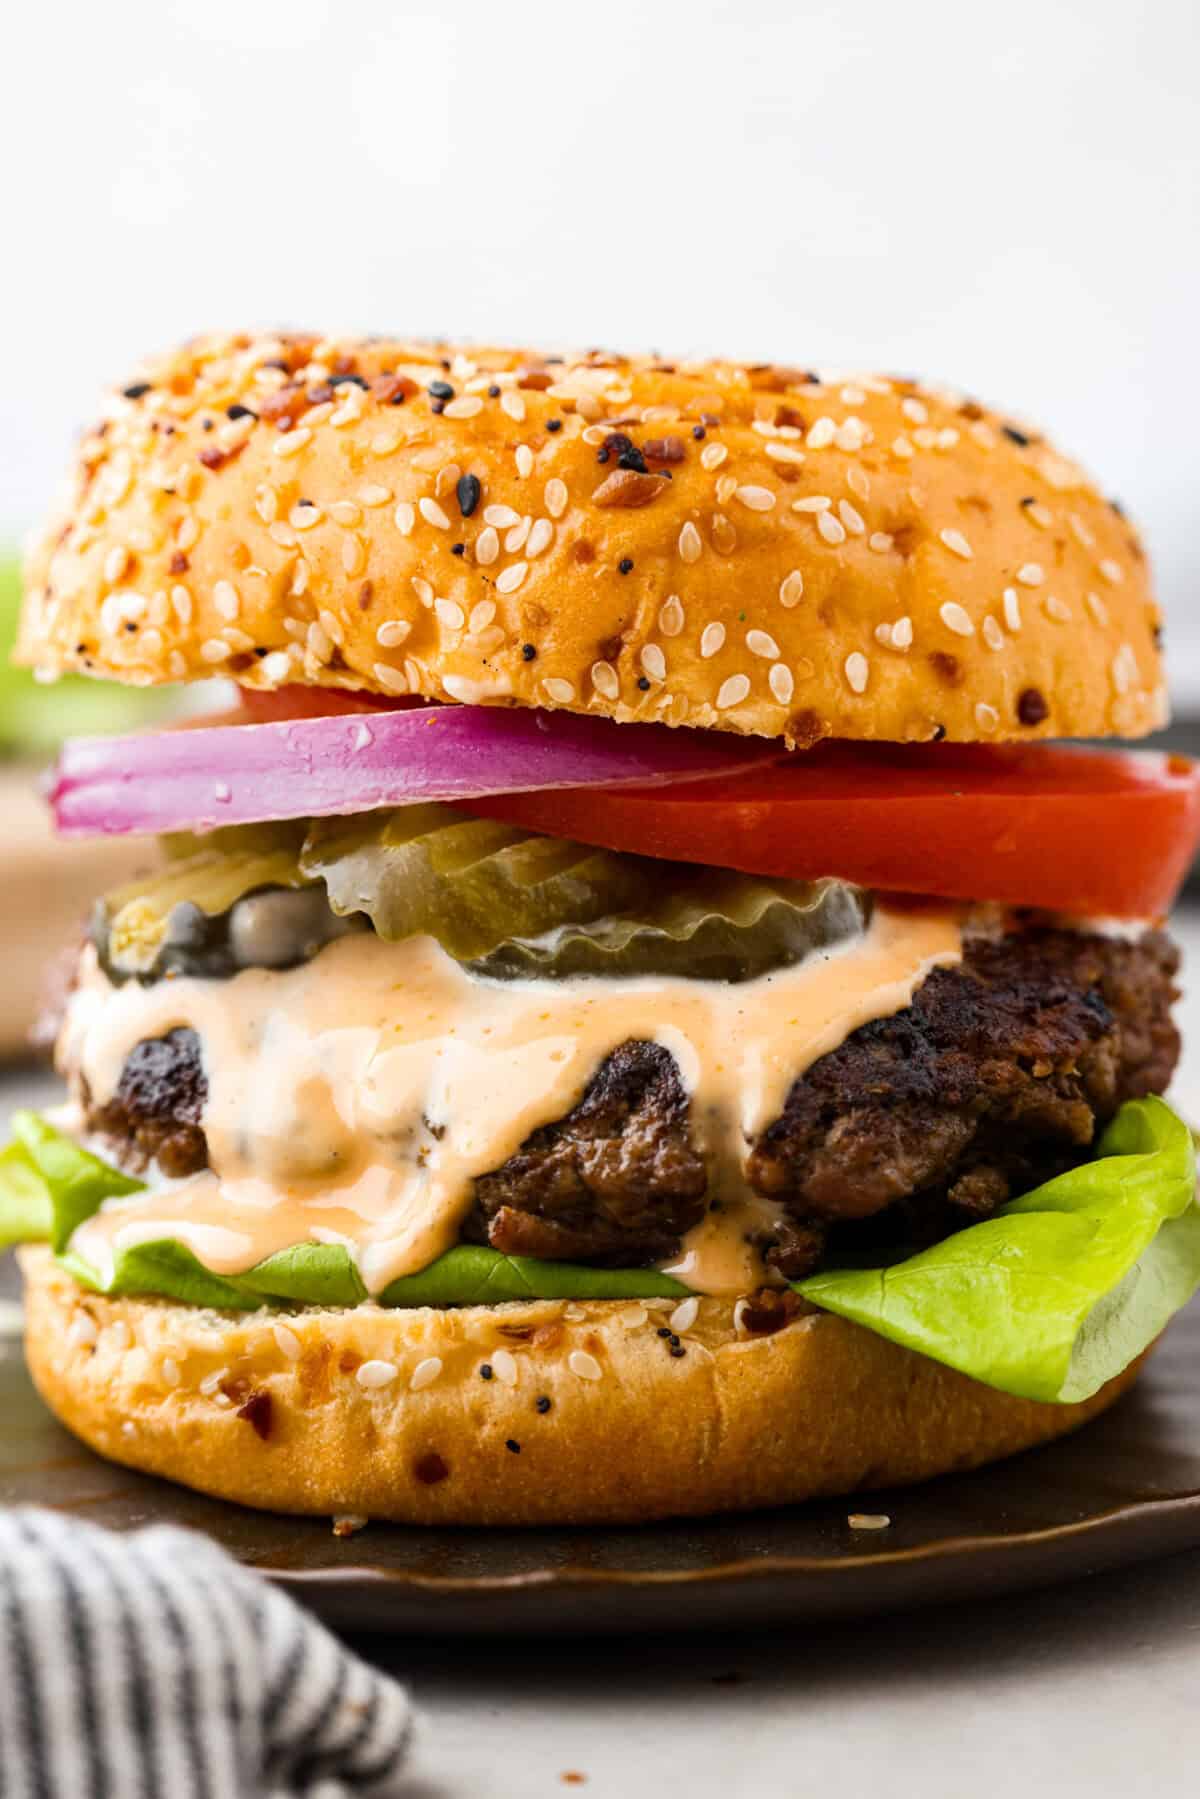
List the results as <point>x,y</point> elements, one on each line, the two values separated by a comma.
<point>1090,832</point>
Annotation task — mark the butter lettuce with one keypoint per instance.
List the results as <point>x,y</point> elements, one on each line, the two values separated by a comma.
<point>1049,1300</point>
<point>1065,1286</point>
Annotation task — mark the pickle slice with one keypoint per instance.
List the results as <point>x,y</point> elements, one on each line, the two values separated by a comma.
<point>713,927</point>
<point>136,927</point>
<point>471,883</point>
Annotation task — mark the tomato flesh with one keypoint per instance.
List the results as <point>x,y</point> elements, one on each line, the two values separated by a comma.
<point>1089,832</point>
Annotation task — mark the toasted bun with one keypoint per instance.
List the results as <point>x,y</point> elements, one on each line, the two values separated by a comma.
<point>777,554</point>
<point>270,1409</point>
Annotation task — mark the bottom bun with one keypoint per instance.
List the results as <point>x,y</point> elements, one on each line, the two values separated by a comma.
<point>526,1413</point>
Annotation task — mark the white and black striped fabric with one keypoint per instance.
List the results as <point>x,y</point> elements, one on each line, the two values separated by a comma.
<point>151,1666</point>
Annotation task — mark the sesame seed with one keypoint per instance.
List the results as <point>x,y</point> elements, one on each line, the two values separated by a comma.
<point>822,434</point>
<point>373,494</point>
<point>584,1365</point>
<point>391,678</point>
<point>463,408</point>
<point>354,555</point>
<point>292,442</point>
<point>482,616</point>
<point>1039,515</point>
<point>169,1368</point>
<point>756,499</point>
<point>512,577</point>
<point>331,626</point>
<point>684,1315</point>
<point>215,651</point>
<point>502,517</point>
<point>1031,574</point>
<point>556,497</point>
<point>487,546</point>
<point>561,692</point>
<point>690,544</point>
<point>857,669</point>
<point>115,563</point>
<point>1012,609</point>
<point>916,410</point>
<point>425,1373</point>
<point>993,636</point>
<point>504,1366</point>
<point>670,617</point>
<point>814,502</point>
<point>712,639</point>
<point>831,529</point>
<point>883,635</point>
<point>304,516</point>
<point>276,667</point>
<point>433,514</point>
<point>450,613</point>
<point>181,602</point>
<point>858,481</point>
<point>955,541</point>
<point>1124,669</point>
<point>515,539</point>
<point>282,534</point>
<point>375,1374</point>
<point>986,717</point>
<point>1097,608</point>
<point>423,590</point>
<point>902,633</point>
<point>791,589</point>
<point>880,541</point>
<point>540,537</point>
<point>1112,571</point>
<point>1080,531</point>
<point>732,692</point>
<point>957,619</point>
<point>713,455</point>
<point>901,446</point>
<point>405,518</point>
<point>1054,608</point>
<point>761,643</point>
<point>784,452</point>
<point>512,403</point>
<point>225,599</point>
<point>319,642</point>
<point>726,488</point>
<point>604,680</point>
<point>781,682</point>
<point>654,662</point>
<point>82,1332</point>
<point>524,456</point>
<point>288,1342</point>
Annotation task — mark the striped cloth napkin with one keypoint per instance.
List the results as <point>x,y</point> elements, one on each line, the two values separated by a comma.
<point>151,1666</point>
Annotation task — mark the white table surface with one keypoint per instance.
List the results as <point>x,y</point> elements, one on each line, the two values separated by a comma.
<point>1090,1689</point>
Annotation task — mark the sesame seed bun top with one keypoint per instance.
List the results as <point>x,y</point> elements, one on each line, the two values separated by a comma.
<point>717,544</point>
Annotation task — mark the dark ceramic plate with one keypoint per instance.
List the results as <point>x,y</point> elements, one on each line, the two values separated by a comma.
<point>1122,1490</point>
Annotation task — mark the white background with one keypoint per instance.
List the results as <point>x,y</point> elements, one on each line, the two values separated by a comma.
<point>1005,196</point>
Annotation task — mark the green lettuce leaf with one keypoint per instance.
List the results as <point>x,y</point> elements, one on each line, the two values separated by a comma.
<point>1050,1299</point>
<point>1065,1286</point>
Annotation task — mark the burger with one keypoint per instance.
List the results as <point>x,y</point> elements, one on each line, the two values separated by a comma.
<point>630,1015</point>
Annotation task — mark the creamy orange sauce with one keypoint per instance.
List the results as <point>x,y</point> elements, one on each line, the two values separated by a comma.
<point>355,1099</point>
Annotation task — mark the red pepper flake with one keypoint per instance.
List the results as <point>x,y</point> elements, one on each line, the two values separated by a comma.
<point>284,406</point>
<point>538,379</point>
<point>212,456</point>
<point>625,487</point>
<point>393,390</point>
<point>429,1469</point>
<point>663,449</point>
<point>257,1412</point>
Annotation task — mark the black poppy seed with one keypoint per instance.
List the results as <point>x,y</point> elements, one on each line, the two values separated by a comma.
<point>699,433</point>
<point>485,1371</point>
<point>440,390</point>
<point>207,424</point>
<point>238,411</point>
<point>664,1330</point>
<point>513,1447</point>
<point>625,564</point>
<point>602,454</point>
<point>528,652</point>
<point>643,684</point>
<point>1015,436</point>
<point>554,424</point>
<point>458,549</point>
<point>342,380</point>
<point>674,1339</point>
<point>493,392</point>
<point>1117,508</point>
<point>543,1403</point>
<point>445,361</point>
<point>136,391</point>
<point>677,1350</point>
<point>1028,500</point>
<point>469,491</point>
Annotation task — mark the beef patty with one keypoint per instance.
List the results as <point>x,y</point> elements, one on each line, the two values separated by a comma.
<point>998,1076</point>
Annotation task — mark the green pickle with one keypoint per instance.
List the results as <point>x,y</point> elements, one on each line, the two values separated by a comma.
<point>507,904</point>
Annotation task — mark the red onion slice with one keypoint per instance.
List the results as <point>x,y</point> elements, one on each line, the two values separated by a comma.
<point>199,779</point>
